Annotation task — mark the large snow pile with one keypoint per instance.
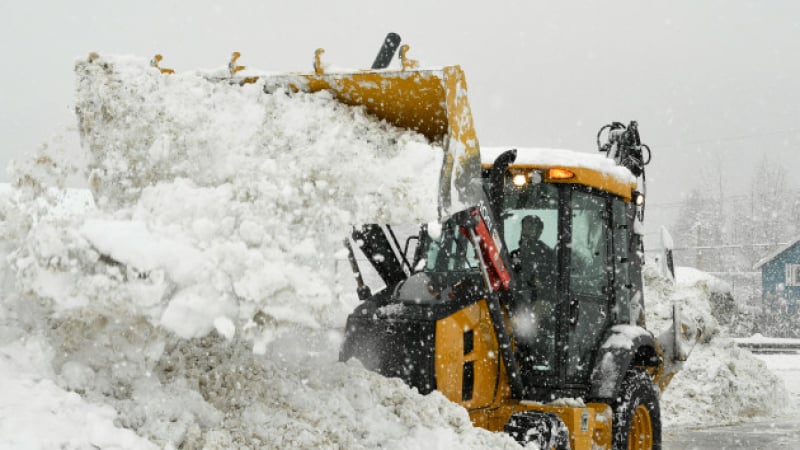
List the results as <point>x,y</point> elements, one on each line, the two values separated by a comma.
<point>719,383</point>
<point>194,305</point>
<point>235,201</point>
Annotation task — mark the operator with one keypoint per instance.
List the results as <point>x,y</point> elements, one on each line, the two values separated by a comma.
<point>535,323</point>
<point>537,261</point>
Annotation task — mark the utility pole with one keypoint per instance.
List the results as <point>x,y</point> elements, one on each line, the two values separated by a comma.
<point>720,225</point>
<point>699,253</point>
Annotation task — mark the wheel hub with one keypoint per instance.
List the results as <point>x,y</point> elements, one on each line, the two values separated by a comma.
<point>641,435</point>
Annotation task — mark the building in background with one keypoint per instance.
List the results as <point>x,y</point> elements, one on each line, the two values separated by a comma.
<point>780,278</point>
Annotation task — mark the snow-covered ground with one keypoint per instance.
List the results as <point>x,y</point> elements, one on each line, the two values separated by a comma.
<point>720,383</point>
<point>787,367</point>
<point>192,301</point>
<point>785,362</point>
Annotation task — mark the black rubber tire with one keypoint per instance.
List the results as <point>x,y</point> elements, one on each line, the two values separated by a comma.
<point>637,389</point>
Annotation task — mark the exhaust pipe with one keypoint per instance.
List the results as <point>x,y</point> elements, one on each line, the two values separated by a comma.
<point>387,51</point>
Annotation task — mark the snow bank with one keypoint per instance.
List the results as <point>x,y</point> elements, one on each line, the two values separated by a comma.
<point>192,303</point>
<point>719,383</point>
<point>36,413</point>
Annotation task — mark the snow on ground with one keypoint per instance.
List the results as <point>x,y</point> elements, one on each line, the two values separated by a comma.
<point>191,302</point>
<point>719,383</point>
<point>784,363</point>
<point>37,413</point>
<point>787,367</point>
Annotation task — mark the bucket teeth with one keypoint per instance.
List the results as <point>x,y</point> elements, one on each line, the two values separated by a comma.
<point>407,62</point>
<point>156,61</point>
<point>232,67</point>
<point>318,69</point>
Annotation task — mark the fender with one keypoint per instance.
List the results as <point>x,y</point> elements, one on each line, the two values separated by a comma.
<point>625,346</point>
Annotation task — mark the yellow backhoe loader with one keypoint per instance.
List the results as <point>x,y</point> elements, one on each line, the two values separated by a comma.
<point>544,340</point>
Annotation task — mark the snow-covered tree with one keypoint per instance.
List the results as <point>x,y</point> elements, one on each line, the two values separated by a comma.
<point>700,226</point>
<point>769,218</point>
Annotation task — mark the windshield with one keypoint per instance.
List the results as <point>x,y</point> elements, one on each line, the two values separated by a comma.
<point>539,200</point>
<point>448,250</point>
<point>530,220</point>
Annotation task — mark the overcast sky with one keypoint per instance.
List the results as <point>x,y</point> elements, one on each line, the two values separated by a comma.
<point>714,85</point>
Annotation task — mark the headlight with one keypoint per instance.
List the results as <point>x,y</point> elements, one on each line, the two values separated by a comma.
<point>519,180</point>
<point>638,198</point>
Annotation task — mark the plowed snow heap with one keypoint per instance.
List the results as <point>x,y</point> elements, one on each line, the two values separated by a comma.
<point>219,213</point>
<point>235,199</point>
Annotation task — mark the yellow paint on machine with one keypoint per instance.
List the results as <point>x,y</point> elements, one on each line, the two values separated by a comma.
<point>489,404</point>
<point>589,427</point>
<point>584,176</point>
<point>451,356</point>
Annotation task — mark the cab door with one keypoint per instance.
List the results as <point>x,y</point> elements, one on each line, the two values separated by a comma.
<point>535,316</point>
<point>590,292</point>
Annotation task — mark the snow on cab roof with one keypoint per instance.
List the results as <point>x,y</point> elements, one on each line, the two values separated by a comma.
<point>551,157</point>
<point>590,169</point>
<point>776,252</point>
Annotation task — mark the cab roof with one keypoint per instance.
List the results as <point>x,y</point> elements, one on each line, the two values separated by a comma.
<point>594,170</point>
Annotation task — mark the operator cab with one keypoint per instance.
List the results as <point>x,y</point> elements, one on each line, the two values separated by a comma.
<point>578,279</point>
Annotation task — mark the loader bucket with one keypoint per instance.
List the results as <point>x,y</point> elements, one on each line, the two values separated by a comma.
<point>432,102</point>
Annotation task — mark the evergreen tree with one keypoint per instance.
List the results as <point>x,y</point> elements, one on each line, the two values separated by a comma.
<point>700,226</point>
<point>772,213</point>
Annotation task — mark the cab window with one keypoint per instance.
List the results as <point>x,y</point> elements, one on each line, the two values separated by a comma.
<point>589,274</point>
<point>539,200</point>
<point>448,250</point>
